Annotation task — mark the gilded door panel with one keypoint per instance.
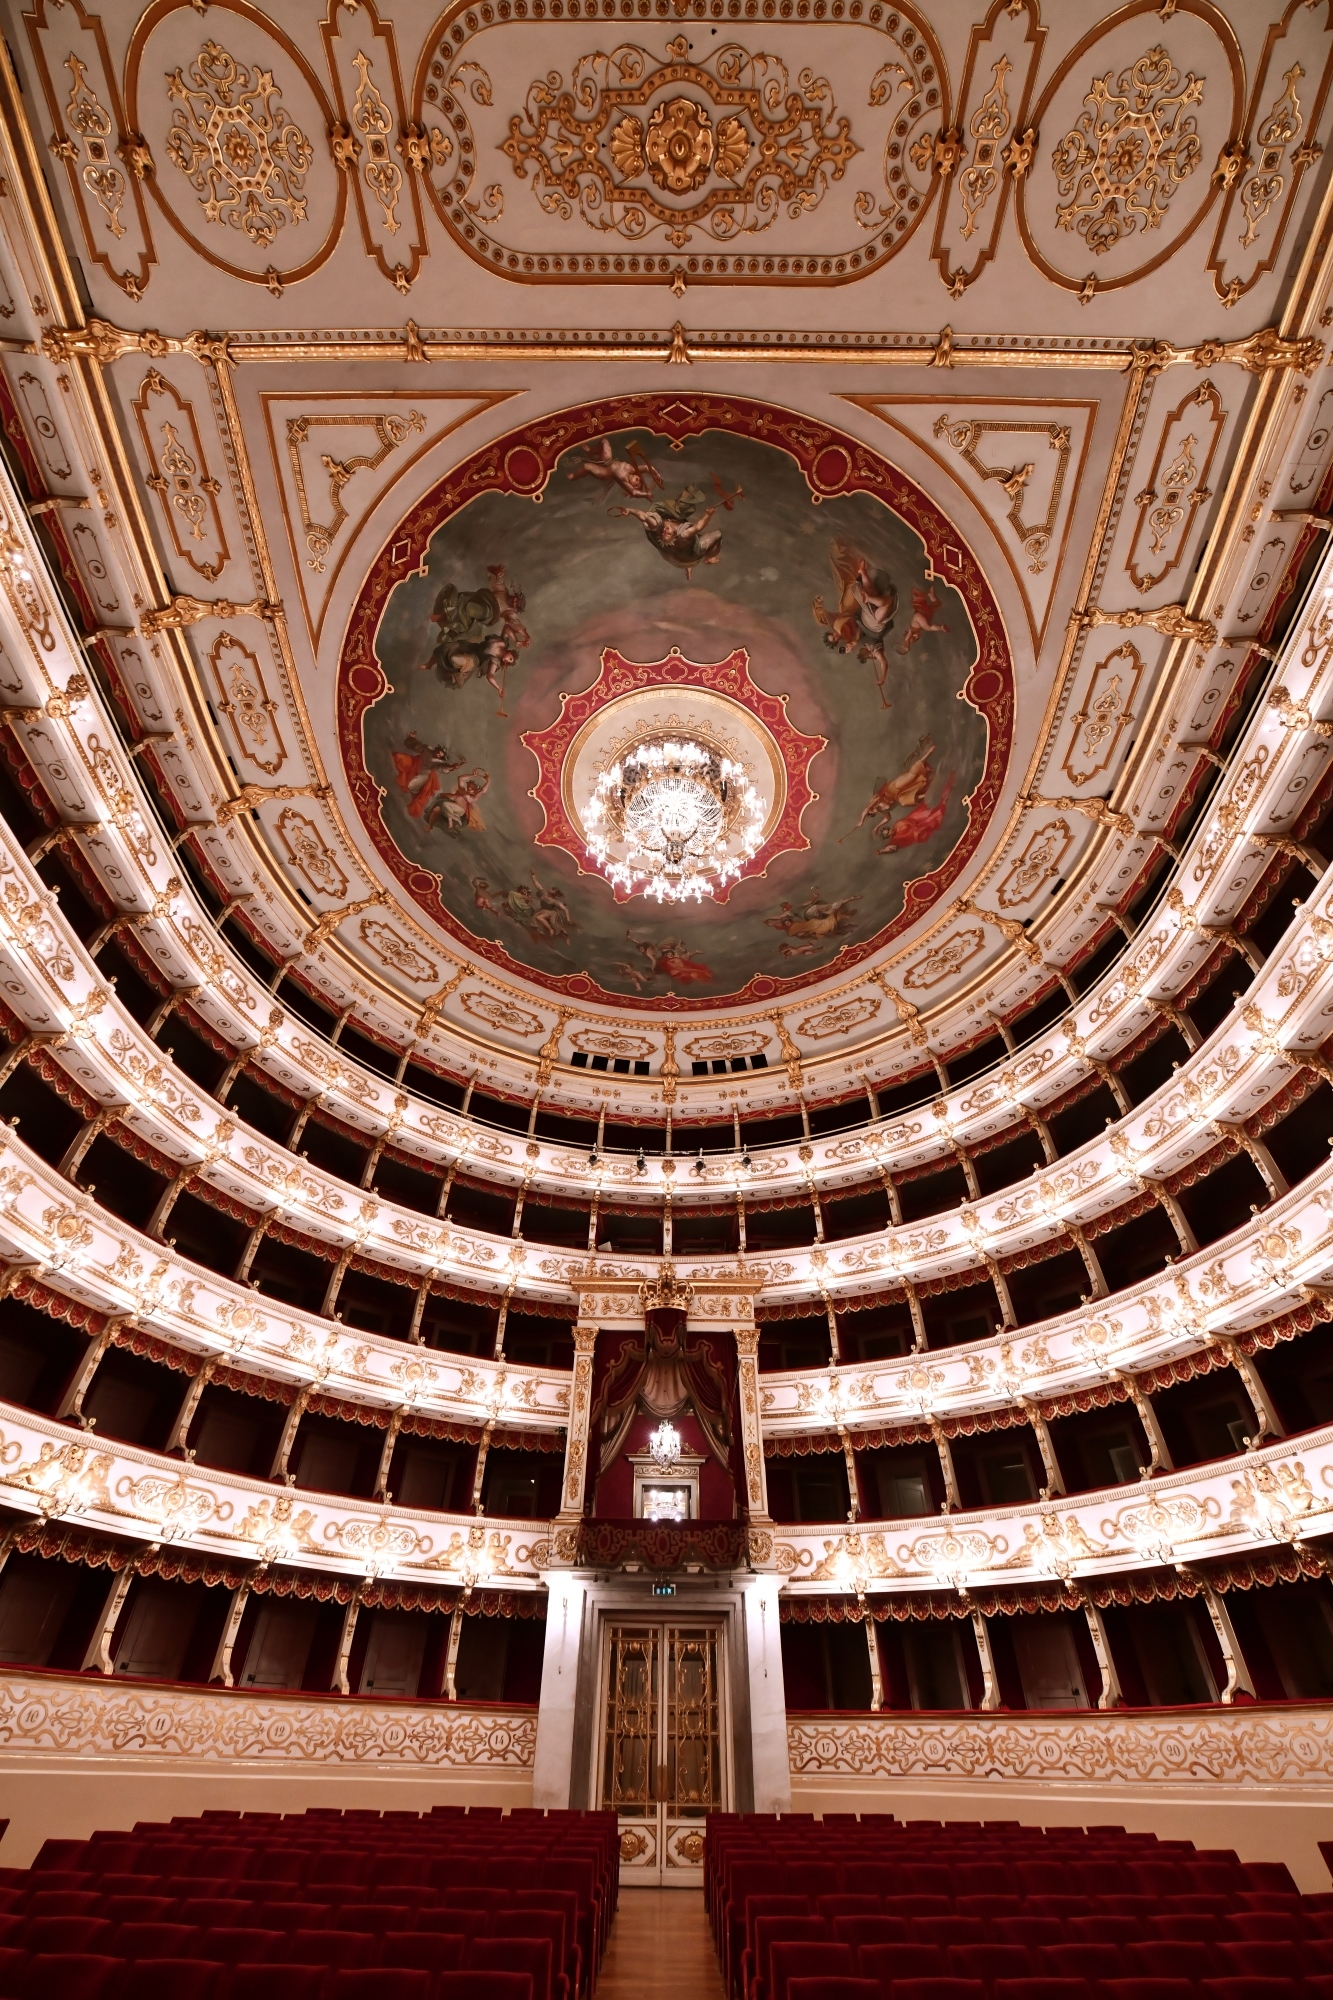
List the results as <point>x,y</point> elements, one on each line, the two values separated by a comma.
<point>662,1762</point>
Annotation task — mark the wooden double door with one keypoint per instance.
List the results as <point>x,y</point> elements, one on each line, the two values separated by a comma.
<point>663,1743</point>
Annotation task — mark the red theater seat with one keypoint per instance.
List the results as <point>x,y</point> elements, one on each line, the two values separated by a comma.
<point>483,1986</point>
<point>331,1947</point>
<point>888,1963</point>
<point>277,1982</point>
<point>425,1951</point>
<point>68,1976</point>
<point>86,1936</point>
<point>171,1979</point>
<point>833,1988</point>
<point>1146,1989</point>
<point>236,1946</point>
<point>937,1989</point>
<point>791,1962</point>
<point>509,1954</point>
<point>155,1941</point>
<point>392,1983</point>
<point>1042,1989</point>
<point>1248,1989</point>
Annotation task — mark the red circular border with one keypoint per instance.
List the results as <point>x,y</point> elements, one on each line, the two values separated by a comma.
<point>989,689</point>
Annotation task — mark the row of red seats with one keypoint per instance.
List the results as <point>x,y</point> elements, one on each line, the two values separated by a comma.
<point>774,1920</point>
<point>752,1887</point>
<point>830,1865</point>
<point>322,1857</point>
<point>87,1976</point>
<point>285,1905</point>
<point>877,1911</point>
<point>837,1985</point>
<point>783,1957</point>
<point>353,1935</point>
<point>293,1908</point>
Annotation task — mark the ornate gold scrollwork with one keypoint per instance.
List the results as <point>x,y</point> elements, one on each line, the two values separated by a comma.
<point>742,140</point>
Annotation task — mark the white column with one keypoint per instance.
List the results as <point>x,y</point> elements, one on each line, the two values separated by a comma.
<point>768,1703</point>
<point>876,1670</point>
<point>990,1685</point>
<point>574,1490</point>
<point>553,1763</point>
<point>1111,1695</point>
<point>1238,1674</point>
<point>752,1442</point>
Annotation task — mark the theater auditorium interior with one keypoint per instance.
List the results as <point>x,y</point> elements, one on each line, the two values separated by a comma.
<point>666,1000</point>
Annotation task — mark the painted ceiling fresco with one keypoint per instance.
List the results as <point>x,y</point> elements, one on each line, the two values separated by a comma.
<point>709,530</point>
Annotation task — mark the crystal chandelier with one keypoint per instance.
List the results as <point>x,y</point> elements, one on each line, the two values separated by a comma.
<point>674,818</point>
<point>665,1446</point>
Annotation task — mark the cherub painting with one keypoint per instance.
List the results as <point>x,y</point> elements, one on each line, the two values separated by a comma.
<point>419,767</point>
<point>925,609</point>
<point>919,824</point>
<point>862,618</point>
<point>543,913</point>
<point>668,959</point>
<point>456,811</point>
<point>812,921</point>
<point>678,530</point>
<point>630,473</point>
<point>907,789</point>
<point>468,645</point>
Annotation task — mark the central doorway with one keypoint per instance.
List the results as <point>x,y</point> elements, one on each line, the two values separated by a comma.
<point>663,1758</point>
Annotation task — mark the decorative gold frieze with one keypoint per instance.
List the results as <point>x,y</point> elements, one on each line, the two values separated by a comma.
<point>946,959</point>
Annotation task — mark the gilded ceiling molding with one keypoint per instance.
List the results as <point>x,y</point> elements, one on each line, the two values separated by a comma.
<point>510,350</point>
<point>993,142</point>
<point>607,158</point>
<point>1090,227</point>
<point>105,162</point>
<point>370,141</point>
<point>1177,486</point>
<point>183,611</point>
<point>254,210</point>
<point>1263,173</point>
<point>325,445</point>
<point>988,437</point>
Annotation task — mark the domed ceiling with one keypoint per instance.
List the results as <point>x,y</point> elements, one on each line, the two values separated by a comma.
<point>670,559</point>
<point>923,409</point>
